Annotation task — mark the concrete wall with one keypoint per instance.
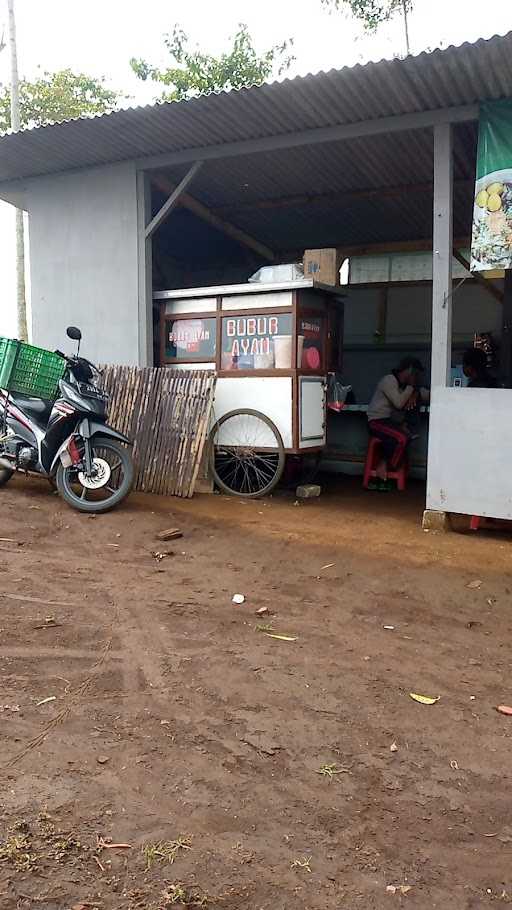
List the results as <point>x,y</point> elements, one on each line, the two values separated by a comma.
<point>469,452</point>
<point>83,261</point>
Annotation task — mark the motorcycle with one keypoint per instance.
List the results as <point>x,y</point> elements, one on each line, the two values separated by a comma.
<point>68,440</point>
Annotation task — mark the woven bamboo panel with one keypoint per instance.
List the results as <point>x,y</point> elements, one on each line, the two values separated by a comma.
<point>166,413</point>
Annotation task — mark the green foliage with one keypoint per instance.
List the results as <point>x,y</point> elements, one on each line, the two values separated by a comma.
<point>371,12</point>
<point>195,73</point>
<point>54,97</point>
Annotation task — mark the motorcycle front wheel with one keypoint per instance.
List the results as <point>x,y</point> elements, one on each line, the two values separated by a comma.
<point>109,483</point>
<point>5,476</point>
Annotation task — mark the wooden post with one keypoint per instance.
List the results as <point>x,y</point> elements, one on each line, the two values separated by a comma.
<point>506,333</point>
<point>442,256</point>
<point>441,304</point>
<point>145,271</point>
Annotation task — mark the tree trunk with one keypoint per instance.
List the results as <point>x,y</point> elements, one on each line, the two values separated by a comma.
<point>20,235</point>
<point>406,24</point>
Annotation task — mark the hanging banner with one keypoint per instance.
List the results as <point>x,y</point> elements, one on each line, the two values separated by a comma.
<point>491,246</point>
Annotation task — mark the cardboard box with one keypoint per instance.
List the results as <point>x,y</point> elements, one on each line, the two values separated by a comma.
<point>323,266</point>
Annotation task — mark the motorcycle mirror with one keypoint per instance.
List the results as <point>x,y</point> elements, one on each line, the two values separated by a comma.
<point>74,333</point>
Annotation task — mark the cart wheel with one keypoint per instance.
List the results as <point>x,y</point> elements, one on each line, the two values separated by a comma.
<point>246,453</point>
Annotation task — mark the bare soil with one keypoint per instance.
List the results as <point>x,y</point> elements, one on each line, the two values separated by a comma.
<point>178,727</point>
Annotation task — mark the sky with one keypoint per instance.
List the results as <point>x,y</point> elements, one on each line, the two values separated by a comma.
<point>98,37</point>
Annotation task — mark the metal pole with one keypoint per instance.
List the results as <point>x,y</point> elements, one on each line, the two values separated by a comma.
<point>15,125</point>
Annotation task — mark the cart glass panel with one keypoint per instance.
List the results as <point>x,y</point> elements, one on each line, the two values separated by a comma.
<point>257,342</point>
<point>190,339</point>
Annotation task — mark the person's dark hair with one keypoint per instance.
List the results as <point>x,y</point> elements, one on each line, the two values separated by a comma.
<point>410,363</point>
<point>476,359</point>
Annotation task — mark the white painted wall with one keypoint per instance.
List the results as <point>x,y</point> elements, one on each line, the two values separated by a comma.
<point>469,452</point>
<point>83,251</point>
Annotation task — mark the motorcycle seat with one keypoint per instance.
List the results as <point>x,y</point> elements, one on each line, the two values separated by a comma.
<point>38,409</point>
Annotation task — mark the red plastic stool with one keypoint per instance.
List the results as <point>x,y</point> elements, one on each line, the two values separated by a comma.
<point>372,459</point>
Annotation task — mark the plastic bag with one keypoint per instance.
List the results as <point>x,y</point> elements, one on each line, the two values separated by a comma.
<point>337,393</point>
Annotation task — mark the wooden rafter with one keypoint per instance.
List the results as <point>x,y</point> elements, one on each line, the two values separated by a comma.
<point>215,221</point>
<point>344,197</point>
<point>173,200</point>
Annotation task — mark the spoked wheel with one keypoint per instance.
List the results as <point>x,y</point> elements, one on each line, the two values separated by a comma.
<point>246,454</point>
<point>109,483</point>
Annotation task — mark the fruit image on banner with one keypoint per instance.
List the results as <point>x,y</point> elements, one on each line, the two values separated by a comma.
<point>491,246</point>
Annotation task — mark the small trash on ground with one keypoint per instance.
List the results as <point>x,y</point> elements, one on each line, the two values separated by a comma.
<point>45,701</point>
<point>280,637</point>
<point>328,566</point>
<point>474,584</point>
<point>454,765</point>
<point>262,611</point>
<point>169,534</point>
<point>308,491</point>
<point>505,709</point>
<point>389,628</point>
<point>400,889</point>
<point>393,747</point>
<point>238,599</point>
<point>424,699</point>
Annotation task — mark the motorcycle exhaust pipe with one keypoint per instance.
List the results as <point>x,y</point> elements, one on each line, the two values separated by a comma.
<point>4,463</point>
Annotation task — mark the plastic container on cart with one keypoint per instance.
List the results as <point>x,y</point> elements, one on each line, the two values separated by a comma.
<point>29,370</point>
<point>300,348</point>
<point>273,274</point>
<point>283,352</point>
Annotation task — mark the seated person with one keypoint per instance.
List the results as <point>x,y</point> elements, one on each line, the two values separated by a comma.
<point>474,364</point>
<point>397,395</point>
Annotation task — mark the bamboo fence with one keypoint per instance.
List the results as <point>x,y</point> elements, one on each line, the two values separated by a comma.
<point>166,414</point>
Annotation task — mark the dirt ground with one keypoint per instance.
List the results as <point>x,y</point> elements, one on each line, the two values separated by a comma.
<point>139,706</point>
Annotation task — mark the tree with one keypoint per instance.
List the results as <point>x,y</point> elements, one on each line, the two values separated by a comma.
<point>13,102</point>
<point>194,72</point>
<point>374,12</point>
<point>54,97</point>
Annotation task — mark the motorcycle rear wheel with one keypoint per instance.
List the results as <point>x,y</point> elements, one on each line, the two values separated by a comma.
<point>118,485</point>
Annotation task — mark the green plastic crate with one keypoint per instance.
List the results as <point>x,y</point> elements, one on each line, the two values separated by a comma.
<point>29,370</point>
<point>8,351</point>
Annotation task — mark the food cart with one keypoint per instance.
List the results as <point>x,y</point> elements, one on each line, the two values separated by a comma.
<point>271,346</point>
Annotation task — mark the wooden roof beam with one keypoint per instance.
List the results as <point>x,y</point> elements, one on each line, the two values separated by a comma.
<point>304,200</point>
<point>215,221</point>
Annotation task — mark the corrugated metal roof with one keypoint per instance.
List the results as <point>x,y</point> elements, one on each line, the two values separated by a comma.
<point>445,78</point>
